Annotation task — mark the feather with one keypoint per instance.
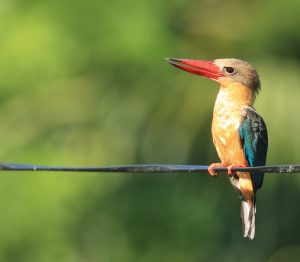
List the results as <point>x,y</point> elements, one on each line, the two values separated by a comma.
<point>254,137</point>
<point>248,219</point>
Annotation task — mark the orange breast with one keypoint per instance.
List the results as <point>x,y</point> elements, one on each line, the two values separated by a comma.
<point>226,121</point>
<point>229,114</point>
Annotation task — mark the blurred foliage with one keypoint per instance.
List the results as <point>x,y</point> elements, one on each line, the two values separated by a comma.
<point>85,83</point>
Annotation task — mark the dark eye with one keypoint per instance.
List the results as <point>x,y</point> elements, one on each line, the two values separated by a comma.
<point>229,70</point>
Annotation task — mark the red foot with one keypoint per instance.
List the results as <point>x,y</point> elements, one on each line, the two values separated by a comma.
<point>230,172</point>
<point>211,168</point>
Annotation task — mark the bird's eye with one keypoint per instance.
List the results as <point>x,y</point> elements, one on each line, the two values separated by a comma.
<point>229,70</point>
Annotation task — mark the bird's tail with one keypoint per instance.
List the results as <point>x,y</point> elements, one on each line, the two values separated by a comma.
<point>248,211</point>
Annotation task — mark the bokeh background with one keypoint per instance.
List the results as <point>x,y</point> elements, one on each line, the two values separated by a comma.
<point>85,83</point>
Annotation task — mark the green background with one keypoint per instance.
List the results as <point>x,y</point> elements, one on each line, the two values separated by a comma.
<point>85,83</point>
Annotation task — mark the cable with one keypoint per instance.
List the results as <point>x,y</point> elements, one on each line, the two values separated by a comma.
<point>150,168</point>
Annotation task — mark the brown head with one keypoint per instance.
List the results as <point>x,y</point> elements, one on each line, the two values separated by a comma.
<point>227,72</point>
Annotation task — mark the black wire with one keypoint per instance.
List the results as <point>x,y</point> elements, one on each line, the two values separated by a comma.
<point>150,168</point>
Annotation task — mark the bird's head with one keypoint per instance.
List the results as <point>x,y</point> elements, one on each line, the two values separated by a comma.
<point>227,72</point>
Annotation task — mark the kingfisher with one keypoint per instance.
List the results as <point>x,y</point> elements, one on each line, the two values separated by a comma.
<point>239,132</point>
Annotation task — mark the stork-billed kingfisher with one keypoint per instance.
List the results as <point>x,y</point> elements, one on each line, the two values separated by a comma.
<point>239,132</point>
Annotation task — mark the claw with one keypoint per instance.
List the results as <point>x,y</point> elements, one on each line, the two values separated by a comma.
<point>211,168</point>
<point>230,172</point>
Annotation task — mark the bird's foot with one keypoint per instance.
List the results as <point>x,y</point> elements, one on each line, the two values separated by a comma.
<point>230,172</point>
<point>211,168</point>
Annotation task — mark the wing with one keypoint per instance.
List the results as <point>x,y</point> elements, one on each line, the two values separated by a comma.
<point>254,137</point>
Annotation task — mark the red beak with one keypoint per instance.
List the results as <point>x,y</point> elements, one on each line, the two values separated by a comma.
<point>197,67</point>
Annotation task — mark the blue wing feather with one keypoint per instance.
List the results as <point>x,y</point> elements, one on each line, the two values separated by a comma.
<point>254,137</point>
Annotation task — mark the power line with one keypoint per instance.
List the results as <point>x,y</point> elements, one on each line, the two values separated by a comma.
<point>150,168</point>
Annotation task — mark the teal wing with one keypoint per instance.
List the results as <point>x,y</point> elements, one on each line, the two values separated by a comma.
<point>254,137</point>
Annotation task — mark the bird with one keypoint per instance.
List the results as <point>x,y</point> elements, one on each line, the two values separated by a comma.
<point>239,133</point>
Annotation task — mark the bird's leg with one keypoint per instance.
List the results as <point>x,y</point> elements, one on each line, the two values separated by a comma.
<point>211,168</point>
<point>230,172</point>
